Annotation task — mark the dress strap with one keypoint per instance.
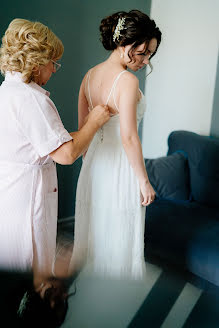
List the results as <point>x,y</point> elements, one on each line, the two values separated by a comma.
<point>113,88</point>
<point>88,88</point>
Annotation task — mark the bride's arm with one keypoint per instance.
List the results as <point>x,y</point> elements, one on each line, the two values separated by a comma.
<point>82,107</point>
<point>82,104</point>
<point>128,96</point>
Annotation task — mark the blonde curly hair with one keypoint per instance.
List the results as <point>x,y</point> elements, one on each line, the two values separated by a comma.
<point>26,45</point>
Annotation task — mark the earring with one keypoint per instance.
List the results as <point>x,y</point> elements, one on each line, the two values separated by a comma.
<point>121,55</point>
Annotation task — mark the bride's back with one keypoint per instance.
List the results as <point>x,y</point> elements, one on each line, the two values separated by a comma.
<point>102,85</point>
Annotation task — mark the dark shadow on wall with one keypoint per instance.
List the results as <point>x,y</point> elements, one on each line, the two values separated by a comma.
<point>215,111</point>
<point>77,24</point>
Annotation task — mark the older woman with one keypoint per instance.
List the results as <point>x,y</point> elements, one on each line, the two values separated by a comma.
<point>32,139</point>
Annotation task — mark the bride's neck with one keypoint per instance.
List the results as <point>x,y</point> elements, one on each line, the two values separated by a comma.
<point>115,59</point>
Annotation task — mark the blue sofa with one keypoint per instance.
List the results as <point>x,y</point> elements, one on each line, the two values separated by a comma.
<point>182,224</point>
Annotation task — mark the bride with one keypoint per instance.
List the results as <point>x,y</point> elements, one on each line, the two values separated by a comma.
<point>113,187</point>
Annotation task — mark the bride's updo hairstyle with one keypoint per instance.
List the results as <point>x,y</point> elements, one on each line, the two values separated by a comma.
<point>137,28</point>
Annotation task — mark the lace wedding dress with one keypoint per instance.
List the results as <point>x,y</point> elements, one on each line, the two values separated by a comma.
<point>109,217</point>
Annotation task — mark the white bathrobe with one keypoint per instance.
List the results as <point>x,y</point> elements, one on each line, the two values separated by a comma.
<point>30,129</point>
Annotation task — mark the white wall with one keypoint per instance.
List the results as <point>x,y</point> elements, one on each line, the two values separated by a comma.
<point>180,90</point>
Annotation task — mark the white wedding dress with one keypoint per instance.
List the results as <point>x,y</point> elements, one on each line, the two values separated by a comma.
<point>109,217</point>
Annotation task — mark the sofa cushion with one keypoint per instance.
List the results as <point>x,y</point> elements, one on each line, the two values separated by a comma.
<point>169,176</point>
<point>203,159</point>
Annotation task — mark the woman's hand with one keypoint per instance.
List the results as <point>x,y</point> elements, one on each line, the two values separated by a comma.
<point>147,193</point>
<point>100,115</point>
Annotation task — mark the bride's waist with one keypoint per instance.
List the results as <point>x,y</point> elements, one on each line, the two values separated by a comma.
<point>110,131</point>
<point>109,134</point>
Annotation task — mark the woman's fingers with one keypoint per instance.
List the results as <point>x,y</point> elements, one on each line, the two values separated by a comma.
<point>147,200</point>
<point>147,194</point>
<point>112,111</point>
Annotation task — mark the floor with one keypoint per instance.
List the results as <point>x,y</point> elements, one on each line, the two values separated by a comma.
<point>168,298</point>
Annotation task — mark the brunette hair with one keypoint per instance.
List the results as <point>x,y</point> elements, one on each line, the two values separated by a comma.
<point>138,29</point>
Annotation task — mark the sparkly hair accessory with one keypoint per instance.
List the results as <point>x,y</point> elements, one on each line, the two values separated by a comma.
<point>119,27</point>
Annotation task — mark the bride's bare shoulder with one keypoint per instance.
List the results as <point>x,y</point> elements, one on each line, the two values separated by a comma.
<point>129,81</point>
<point>130,78</point>
<point>93,69</point>
<point>85,78</point>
